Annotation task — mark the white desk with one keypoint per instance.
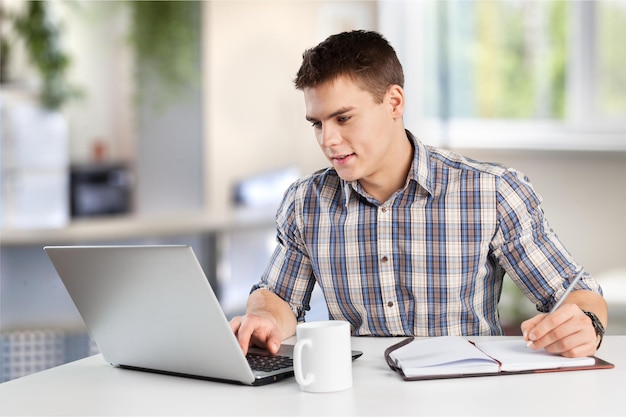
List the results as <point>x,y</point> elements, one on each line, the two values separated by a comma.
<point>92,387</point>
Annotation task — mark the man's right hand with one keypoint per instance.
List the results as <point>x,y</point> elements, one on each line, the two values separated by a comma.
<point>268,320</point>
<point>256,330</point>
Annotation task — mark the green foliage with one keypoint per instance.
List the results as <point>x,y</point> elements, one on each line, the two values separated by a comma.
<point>515,93</point>
<point>166,40</point>
<point>558,34</point>
<point>41,38</point>
<point>514,78</point>
<point>612,58</point>
<point>505,59</point>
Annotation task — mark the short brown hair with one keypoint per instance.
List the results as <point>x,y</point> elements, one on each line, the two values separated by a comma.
<point>365,56</point>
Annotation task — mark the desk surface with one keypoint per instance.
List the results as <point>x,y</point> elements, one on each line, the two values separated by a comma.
<point>92,387</point>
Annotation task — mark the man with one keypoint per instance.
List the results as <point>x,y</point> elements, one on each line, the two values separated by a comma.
<point>406,239</point>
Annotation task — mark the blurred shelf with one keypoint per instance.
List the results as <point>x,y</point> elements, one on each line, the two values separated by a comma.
<point>121,228</point>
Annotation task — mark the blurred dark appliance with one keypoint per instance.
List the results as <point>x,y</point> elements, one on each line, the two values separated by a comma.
<point>100,190</point>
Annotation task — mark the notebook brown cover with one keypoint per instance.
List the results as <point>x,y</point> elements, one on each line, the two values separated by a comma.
<point>599,364</point>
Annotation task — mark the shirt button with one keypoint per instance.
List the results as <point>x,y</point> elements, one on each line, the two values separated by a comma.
<point>390,304</point>
<point>383,209</point>
<point>384,259</point>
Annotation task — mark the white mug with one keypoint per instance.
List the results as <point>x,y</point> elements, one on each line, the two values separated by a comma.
<point>322,356</point>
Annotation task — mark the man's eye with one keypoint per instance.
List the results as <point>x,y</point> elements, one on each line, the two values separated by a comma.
<point>316,125</point>
<point>343,119</point>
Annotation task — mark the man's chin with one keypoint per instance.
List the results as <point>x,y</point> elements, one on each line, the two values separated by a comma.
<point>348,177</point>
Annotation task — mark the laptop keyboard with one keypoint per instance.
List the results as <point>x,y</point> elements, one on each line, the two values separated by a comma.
<point>268,363</point>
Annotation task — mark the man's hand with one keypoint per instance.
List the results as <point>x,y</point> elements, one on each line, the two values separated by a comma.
<point>268,320</point>
<point>567,331</point>
<point>256,330</point>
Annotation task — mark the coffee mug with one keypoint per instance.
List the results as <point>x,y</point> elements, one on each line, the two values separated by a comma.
<point>322,356</point>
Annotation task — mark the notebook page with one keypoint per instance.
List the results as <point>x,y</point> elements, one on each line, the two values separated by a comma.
<point>444,355</point>
<point>515,356</point>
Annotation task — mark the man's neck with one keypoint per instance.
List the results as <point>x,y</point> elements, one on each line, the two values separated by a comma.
<point>393,178</point>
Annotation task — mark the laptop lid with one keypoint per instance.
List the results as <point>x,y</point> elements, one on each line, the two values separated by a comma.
<point>152,308</point>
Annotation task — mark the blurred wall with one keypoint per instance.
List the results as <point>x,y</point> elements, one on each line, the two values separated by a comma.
<point>95,35</point>
<point>254,117</point>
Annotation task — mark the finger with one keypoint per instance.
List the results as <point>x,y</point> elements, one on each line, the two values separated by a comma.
<point>574,345</point>
<point>544,333</point>
<point>573,338</point>
<point>242,339</point>
<point>548,329</point>
<point>529,325</point>
<point>562,331</point>
<point>235,323</point>
<point>244,334</point>
<point>273,341</point>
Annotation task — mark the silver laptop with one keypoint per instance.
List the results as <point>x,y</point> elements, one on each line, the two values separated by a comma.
<point>152,308</point>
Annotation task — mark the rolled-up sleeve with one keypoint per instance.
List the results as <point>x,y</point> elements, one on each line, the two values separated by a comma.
<point>528,249</point>
<point>289,273</point>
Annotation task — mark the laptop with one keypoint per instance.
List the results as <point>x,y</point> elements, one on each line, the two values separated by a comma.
<point>152,308</point>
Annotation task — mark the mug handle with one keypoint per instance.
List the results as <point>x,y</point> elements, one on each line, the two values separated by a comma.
<point>297,363</point>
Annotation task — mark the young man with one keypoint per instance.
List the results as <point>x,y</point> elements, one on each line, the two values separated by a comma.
<point>406,239</point>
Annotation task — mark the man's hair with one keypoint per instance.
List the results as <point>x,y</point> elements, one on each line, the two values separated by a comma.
<point>364,56</point>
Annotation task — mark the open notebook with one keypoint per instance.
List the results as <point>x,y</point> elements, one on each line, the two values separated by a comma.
<point>456,356</point>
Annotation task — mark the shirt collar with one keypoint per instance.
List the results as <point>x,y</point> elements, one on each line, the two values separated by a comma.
<point>420,169</point>
<point>419,172</point>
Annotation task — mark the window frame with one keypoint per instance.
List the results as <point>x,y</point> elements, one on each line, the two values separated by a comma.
<point>582,128</point>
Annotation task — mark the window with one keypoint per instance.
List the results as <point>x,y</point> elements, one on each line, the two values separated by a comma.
<point>514,73</point>
<point>611,59</point>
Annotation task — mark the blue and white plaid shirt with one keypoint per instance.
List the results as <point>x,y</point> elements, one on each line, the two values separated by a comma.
<point>430,260</point>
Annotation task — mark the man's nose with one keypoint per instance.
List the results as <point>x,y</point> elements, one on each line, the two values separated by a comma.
<point>329,136</point>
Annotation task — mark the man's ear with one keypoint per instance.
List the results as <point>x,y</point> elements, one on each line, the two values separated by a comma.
<point>395,97</point>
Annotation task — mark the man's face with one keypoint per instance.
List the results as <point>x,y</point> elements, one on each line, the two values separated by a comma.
<point>352,129</point>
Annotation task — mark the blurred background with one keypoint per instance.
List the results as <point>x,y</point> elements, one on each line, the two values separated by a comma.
<point>177,122</point>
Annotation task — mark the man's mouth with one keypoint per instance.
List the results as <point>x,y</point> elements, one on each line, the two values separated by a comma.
<point>341,158</point>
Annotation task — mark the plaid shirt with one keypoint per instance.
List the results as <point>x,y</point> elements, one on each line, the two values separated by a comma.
<point>430,260</point>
